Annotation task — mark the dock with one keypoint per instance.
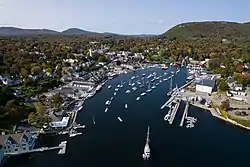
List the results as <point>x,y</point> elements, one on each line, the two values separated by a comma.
<point>185,113</point>
<point>61,146</point>
<point>176,107</point>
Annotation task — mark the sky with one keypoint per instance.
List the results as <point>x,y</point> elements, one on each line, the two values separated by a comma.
<point>119,16</point>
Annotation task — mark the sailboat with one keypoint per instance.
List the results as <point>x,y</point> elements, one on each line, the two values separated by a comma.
<point>129,82</point>
<point>146,153</point>
<point>93,119</point>
<point>170,87</point>
<point>142,84</point>
<point>149,89</point>
<point>121,85</point>
<point>153,87</point>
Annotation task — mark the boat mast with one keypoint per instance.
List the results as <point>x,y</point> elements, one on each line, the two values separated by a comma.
<point>93,118</point>
<point>170,87</point>
<point>147,141</point>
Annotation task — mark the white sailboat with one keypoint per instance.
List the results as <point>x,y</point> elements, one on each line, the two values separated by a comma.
<point>149,88</point>
<point>126,106</point>
<point>146,153</point>
<point>93,120</point>
<point>106,110</point>
<point>121,86</point>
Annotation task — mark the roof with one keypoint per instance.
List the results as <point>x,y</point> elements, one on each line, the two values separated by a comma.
<point>206,82</point>
<point>238,85</point>
<point>14,138</point>
<point>60,124</point>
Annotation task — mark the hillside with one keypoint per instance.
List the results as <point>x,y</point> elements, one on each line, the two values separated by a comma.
<point>208,30</point>
<point>77,31</point>
<point>13,31</point>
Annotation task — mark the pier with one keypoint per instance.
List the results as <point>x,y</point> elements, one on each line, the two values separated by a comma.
<point>185,113</point>
<point>61,146</point>
<point>176,107</point>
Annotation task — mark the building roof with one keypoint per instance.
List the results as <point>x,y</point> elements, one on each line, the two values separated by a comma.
<point>238,85</point>
<point>16,138</point>
<point>206,82</point>
<point>60,124</point>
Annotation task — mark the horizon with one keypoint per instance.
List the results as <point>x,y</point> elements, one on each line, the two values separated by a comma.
<point>61,15</point>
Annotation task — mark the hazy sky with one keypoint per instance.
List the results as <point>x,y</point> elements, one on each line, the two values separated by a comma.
<point>119,16</point>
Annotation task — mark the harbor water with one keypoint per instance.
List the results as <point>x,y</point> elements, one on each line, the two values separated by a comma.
<point>112,143</point>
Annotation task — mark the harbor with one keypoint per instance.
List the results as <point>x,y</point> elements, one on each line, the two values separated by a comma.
<point>127,138</point>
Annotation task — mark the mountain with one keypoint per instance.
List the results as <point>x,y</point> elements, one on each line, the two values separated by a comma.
<point>206,30</point>
<point>12,31</point>
<point>77,31</point>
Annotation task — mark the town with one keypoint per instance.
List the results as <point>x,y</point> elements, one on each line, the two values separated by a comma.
<point>42,90</point>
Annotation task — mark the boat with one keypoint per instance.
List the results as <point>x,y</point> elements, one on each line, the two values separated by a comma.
<point>99,87</point>
<point>80,108</point>
<point>138,98</point>
<point>150,75</point>
<point>93,120</point>
<point>143,94</point>
<point>133,77</point>
<point>157,84</point>
<point>119,118</point>
<point>163,67</point>
<point>118,86</point>
<point>154,73</point>
<point>133,84</point>
<point>106,110</point>
<point>121,85</point>
<point>165,79</point>
<point>153,87</point>
<point>149,89</point>
<point>114,93</point>
<point>128,91</point>
<point>146,154</point>
<point>134,88</point>
<point>126,106</point>
<point>172,72</point>
<point>170,87</point>
<point>107,102</point>
<point>109,86</point>
<point>143,74</point>
<point>111,98</point>
<point>116,89</point>
<point>165,73</point>
<point>75,134</point>
<point>160,81</point>
<point>129,82</point>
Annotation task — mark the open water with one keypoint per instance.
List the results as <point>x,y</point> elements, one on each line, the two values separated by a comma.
<point>110,143</point>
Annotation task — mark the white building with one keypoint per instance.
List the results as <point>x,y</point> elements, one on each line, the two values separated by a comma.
<point>238,87</point>
<point>18,142</point>
<point>84,85</point>
<point>205,85</point>
<point>60,124</point>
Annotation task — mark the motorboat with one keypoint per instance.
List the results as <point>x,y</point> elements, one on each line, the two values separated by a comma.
<point>143,94</point>
<point>114,93</point>
<point>128,91</point>
<point>107,102</point>
<point>138,98</point>
<point>112,98</point>
<point>119,118</point>
<point>146,154</point>
<point>126,106</point>
<point>134,88</point>
<point>116,89</point>
<point>109,86</point>
<point>106,110</point>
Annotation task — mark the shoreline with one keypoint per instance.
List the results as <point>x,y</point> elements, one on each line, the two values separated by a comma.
<point>215,112</point>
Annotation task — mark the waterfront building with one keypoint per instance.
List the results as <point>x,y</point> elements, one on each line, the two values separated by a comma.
<point>17,142</point>
<point>205,83</point>
<point>60,124</point>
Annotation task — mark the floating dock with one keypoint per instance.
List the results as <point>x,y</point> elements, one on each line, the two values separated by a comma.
<point>185,112</point>
<point>176,107</point>
<point>61,146</point>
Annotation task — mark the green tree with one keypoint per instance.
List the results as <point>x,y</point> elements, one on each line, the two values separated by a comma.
<point>223,86</point>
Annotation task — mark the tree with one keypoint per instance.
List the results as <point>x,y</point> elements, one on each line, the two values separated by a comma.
<point>223,86</point>
<point>24,72</point>
<point>36,70</point>
<point>225,105</point>
<point>239,68</point>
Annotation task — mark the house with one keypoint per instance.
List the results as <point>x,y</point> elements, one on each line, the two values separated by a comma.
<point>17,142</point>
<point>238,87</point>
<point>205,85</point>
<point>1,154</point>
<point>60,124</point>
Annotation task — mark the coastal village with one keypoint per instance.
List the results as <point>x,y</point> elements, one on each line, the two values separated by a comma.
<point>56,108</point>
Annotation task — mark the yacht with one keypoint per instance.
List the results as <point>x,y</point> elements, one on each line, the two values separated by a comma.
<point>133,84</point>
<point>128,91</point>
<point>119,118</point>
<point>149,89</point>
<point>126,106</point>
<point>134,88</point>
<point>146,153</point>
<point>143,94</point>
<point>167,116</point>
<point>157,84</point>
<point>109,86</point>
<point>99,87</point>
<point>107,102</point>
<point>116,89</point>
<point>143,74</point>
<point>165,79</point>
<point>133,77</point>
<point>114,93</point>
<point>118,86</point>
<point>138,98</point>
<point>106,110</point>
